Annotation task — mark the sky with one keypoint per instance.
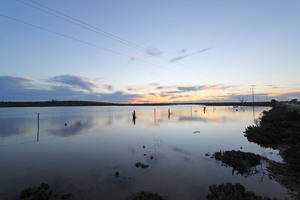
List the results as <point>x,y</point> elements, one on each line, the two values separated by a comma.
<point>140,51</point>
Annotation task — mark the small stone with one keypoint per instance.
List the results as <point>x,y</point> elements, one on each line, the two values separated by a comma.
<point>66,196</point>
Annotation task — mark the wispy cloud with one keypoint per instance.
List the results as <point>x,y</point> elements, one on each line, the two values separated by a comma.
<point>201,87</point>
<point>190,88</point>
<point>183,50</point>
<point>148,53</point>
<point>106,86</point>
<point>73,81</point>
<point>188,55</point>
<point>273,86</point>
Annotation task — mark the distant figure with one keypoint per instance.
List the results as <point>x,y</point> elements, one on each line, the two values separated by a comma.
<point>204,109</point>
<point>133,117</point>
<point>169,113</point>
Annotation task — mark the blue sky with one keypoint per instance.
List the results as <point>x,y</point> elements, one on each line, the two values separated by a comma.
<point>149,51</point>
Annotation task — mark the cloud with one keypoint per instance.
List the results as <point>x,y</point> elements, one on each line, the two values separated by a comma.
<point>13,86</point>
<point>73,81</point>
<point>273,86</point>
<point>159,87</point>
<point>149,52</point>
<point>188,55</point>
<point>284,95</point>
<point>175,92</point>
<point>215,87</point>
<point>12,81</point>
<point>141,86</point>
<point>183,50</point>
<point>280,96</point>
<point>106,86</point>
<point>118,97</point>
<point>190,88</point>
<point>15,89</point>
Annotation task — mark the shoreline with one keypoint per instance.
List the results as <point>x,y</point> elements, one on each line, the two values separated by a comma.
<point>279,129</point>
<point>94,103</point>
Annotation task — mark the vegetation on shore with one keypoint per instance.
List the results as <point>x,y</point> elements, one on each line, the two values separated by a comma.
<point>279,128</point>
<point>55,103</point>
<point>242,162</point>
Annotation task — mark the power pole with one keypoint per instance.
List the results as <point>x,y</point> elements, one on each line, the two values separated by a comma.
<point>252,95</point>
<point>253,105</point>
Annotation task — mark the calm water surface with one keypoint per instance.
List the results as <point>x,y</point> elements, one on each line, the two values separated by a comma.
<point>82,157</point>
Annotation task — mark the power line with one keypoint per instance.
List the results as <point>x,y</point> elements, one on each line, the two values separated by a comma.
<point>83,25</point>
<point>84,42</point>
<point>99,31</point>
<point>64,35</point>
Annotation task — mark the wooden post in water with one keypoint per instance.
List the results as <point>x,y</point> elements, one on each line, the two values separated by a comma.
<point>38,127</point>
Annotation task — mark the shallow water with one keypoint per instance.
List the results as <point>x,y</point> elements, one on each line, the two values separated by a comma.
<point>83,156</point>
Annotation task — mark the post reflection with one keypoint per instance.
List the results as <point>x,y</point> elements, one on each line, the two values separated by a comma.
<point>81,122</point>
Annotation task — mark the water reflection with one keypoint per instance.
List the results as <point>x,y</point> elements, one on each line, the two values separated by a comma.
<point>97,142</point>
<point>81,123</point>
<point>73,129</point>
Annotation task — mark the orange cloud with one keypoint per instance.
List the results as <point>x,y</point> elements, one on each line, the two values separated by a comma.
<point>276,94</point>
<point>214,87</point>
<point>24,78</point>
<point>170,98</point>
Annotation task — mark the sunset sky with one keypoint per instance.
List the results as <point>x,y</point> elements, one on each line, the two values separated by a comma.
<point>141,51</point>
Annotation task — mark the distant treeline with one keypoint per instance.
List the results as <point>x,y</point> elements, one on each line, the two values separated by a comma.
<point>55,103</point>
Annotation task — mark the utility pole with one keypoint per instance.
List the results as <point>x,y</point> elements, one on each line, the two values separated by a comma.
<point>253,105</point>
<point>252,95</point>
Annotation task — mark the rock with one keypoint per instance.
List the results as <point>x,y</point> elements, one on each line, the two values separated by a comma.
<point>139,164</point>
<point>117,174</point>
<point>148,196</point>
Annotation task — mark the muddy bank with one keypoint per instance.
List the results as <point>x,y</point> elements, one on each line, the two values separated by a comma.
<point>229,191</point>
<point>279,128</point>
<point>43,192</point>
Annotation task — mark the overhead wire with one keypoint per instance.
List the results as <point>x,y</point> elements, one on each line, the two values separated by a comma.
<point>82,24</point>
<point>97,30</point>
<point>85,42</point>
